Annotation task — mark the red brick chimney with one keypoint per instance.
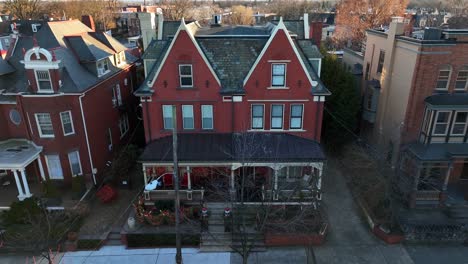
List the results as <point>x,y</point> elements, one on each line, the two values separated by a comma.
<point>316,32</point>
<point>88,21</point>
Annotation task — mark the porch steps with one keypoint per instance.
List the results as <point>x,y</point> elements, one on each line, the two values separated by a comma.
<point>114,238</point>
<point>459,213</point>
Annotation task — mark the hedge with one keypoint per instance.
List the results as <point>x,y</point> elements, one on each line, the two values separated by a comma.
<point>156,240</point>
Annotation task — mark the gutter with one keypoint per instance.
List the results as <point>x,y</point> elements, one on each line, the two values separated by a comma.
<point>87,139</point>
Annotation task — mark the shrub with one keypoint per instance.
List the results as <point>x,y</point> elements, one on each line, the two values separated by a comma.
<point>164,205</point>
<point>20,211</point>
<point>123,163</point>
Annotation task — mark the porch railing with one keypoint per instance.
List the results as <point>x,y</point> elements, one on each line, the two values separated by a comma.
<point>185,195</point>
<point>427,195</point>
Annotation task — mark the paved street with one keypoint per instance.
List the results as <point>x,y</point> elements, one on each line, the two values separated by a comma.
<point>349,240</point>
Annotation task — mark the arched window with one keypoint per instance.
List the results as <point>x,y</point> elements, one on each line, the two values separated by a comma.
<point>461,84</point>
<point>443,79</point>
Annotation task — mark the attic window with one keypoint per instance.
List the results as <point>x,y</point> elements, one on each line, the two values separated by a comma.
<point>102,67</point>
<point>186,77</point>
<point>43,81</point>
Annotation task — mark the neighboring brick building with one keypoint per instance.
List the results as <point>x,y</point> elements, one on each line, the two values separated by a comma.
<point>66,102</point>
<point>232,86</point>
<point>416,110</point>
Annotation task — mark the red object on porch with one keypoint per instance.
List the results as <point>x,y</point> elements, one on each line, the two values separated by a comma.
<point>167,179</point>
<point>184,182</point>
<point>160,170</point>
<point>107,194</point>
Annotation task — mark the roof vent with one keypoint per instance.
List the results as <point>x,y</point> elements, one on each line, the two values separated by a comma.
<point>216,21</point>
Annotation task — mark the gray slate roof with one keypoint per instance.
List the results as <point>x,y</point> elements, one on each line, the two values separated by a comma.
<point>454,100</point>
<point>236,31</point>
<point>236,147</point>
<point>54,36</point>
<point>438,152</point>
<point>5,67</point>
<point>231,59</point>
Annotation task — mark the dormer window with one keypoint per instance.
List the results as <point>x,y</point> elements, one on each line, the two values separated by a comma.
<point>44,84</point>
<point>102,67</point>
<point>278,75</point>
<point>122,57</point>
<point>185,74</point>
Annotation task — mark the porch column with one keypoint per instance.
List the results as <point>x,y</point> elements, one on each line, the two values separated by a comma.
<point>25,183</point>
<point>18,185</point>
<point>319,184</point>
<point>189,181</point>
<point>443,194</point>
<point>275,184</point>
<point>145,178</point>
<point>232,189</point>
<point>414,192</point>
<point>41,169</point>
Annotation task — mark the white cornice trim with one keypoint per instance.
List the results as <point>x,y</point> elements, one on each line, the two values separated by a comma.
<point>183,27</point>
<point>267,45</point>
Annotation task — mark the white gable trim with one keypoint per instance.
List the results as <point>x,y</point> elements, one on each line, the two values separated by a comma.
<point>267,45</point>
<point>183,27</point>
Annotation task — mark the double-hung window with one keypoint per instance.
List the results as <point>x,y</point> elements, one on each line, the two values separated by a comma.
<point>67,123</point>
<point>75,164</point>
<point>258,111</point>
<point>441,123</point>
<point>462,79</point>
<point>207,116</point>
<point>381,61</point>
<point>276,116</point>
<point>443,78</point>
<point>296,116</point>
<point>278,75</point>
<point>167,116</point>
<point>116,95</point>
<point>102,67</point>
<point>187,117</point>
<point>186,76</point>
<point>459,124</point>
<point>43,81</point>
<point>44,125</point>
<point>123,125</point>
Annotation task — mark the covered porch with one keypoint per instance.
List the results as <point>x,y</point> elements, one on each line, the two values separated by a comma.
<point>435,174</point>
<point>247,167</point>
<point>17,158</point>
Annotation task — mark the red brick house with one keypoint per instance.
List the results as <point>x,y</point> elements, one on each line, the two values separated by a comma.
<point>242,96</point>
<point>416,110</point>
<point>65,103</point>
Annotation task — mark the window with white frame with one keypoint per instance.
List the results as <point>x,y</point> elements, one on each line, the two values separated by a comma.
<point>207,116</point>
<point>461,84</point>
<point>443,78</point>
<point>44,125</point>
<point>441,124</point>
<point>381,61</point>
<point>167,116</point>
<point>102,67</point>
<point>187,117</point>
<point>67,123</point>
<point>258,111</point>
<point>75,164</point>
<point>186,76</point>
<point>296,116</point>
<point>44,83</point>
<point>122,57</point>
<point>123,125</point>
<point>459,124</point>
<point>116,95</point>
<point>54,167</point>
<point>278,74</point>
<point>277,116</point>
<point>117,59</point>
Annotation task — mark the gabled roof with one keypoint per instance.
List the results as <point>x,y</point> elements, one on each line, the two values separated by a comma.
<point>5,67</point>
<point>72,43</point>
<point>235,147</point>
<point>108,40</point>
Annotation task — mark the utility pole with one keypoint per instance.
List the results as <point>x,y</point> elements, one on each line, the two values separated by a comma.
<point>178,257</point>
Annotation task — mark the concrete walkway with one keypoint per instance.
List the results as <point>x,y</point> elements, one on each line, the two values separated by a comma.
<point>120,255</point>
<point>349,239</point>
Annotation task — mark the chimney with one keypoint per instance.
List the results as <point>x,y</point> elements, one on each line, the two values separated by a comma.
<point>397,26</point>
<point>306,26</point>
<point>216,20</point>
<point>88,21</point>
<point>316,32</point>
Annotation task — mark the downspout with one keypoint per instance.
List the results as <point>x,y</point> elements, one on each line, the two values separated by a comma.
<point>233,114</point>
<point>148,121</point>
<point>87,139</point>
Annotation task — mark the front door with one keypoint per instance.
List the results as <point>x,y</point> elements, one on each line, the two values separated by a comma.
<point>55,167</point>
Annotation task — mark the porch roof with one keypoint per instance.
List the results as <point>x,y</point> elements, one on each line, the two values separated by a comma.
<point>234,147</point>
<point>453,101</point>
<point>17,153</point>
<point>439,152</point>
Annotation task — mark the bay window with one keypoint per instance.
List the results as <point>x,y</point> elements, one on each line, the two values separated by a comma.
<point>441,124</point>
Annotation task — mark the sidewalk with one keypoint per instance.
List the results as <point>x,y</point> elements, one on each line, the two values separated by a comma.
<point>120,255</point>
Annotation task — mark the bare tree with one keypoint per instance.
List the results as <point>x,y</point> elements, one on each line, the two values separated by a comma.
<point>176,9</point>
<point>457,7</point>
<point>294,9</point>
<point>241,15</point>
<point>24,9</point>
<point>260,204</point>
<point>354,17</point>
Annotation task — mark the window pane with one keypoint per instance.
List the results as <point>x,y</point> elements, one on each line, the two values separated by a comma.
<point>207,116</point>
<point>442,117</point>
<point>278,69</point>
<point>257,110</point>
<point>185,70</point>
<point>277,122</point>
<point>277,110</point>
<point>440,129</point>
<point>74,162</point>
<point>45,124</point>
<point>257,122</point>
<point>458,129</point>
<point>296,110</point>
<point>278,80</point>
<point>461,117</point>
<point>186,81</point>
<point>187,114</point>
<point>296,123</point>
<point>167,116</point>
